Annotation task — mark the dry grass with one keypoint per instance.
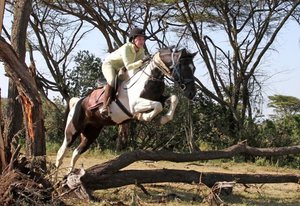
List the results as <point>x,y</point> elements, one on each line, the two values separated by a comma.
<point>168,194</point>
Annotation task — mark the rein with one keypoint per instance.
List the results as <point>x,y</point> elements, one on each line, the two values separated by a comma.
<point>140,69</point>
<point>161,66</point>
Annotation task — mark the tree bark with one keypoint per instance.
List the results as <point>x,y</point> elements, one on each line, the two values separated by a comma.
<point>123,134</point>
<point>127,177</point>
<point>2,143</point>
<point>29,96</point>
<point>111,174</point>
<point>130,157</point>
<point>22,10</point>
<point>22,86</point>
<point>2,5</point>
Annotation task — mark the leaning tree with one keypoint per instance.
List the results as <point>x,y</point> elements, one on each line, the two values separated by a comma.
<point>22,90</point>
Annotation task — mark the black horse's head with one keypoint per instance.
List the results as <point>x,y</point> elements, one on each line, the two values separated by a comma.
<point>181,65</point>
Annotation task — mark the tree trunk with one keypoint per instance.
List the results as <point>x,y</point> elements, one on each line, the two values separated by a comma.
<point>22,10</point>
<point>2,144</point>
<point>29,96</point>
<point>189,130</point>
<point>22,86</point>
<point>123,134</point>
<point>2,5</point>
<point>112,174</point>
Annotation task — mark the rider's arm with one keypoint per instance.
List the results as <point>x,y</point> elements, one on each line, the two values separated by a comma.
<point>131,59</point>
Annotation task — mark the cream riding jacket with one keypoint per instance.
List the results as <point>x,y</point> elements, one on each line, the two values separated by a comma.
<point>124,56</point>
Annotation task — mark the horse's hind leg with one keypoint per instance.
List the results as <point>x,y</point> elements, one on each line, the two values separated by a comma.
<point>86,139</point>
<point>170,114</point>
<point>70,135</point>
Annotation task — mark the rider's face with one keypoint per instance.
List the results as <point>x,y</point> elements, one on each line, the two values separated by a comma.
<point>139,41</point>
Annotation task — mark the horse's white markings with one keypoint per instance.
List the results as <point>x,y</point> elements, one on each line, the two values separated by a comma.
<point>62,150</point>
<point>143,106</point>
<point>170,114</point>
<point>129,94</point>
<point>74,159</point>
<point>192,67</point>
<point>61,153</point>
<point>73,102</point>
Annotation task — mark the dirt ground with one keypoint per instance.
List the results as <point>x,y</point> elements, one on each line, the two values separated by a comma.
<point>287,194</point>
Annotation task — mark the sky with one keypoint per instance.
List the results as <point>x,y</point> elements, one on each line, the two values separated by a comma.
<point>282,65</point>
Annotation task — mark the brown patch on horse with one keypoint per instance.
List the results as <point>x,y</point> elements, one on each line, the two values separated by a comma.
<point>95,98</point>
<point>77,118</point>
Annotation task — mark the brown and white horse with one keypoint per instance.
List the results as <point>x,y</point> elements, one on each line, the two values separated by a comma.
<point>140,96</point>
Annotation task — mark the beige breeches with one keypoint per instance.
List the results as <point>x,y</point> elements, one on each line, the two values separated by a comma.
<point>109,73</point>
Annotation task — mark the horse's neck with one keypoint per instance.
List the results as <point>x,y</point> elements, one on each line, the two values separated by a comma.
<point>154,72</point>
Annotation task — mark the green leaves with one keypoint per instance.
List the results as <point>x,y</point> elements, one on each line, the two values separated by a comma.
<point>284,105</point>
<point>85,74</point>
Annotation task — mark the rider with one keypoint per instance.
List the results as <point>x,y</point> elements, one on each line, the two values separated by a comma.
<point>131,56</point>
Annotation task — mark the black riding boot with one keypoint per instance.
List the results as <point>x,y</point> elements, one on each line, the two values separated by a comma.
<point>107,99</point>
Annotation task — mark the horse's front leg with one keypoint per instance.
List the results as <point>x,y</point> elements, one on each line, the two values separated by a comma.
<point>170,114</point>
<point>146,110</point>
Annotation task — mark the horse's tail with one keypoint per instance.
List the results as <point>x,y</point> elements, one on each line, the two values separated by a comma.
<point>73,102</point>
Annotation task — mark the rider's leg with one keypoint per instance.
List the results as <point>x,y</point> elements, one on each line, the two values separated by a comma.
<point>107,99</point>
<point>109,74</point>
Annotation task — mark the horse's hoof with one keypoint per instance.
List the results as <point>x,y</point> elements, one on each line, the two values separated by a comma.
<point>57,164</point>
<point>138,116</point>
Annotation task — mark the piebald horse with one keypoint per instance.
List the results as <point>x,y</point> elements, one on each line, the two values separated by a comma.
<point>139,96</point>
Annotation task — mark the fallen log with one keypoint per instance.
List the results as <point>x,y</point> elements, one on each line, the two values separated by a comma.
<point>110,174</point>
<point>128,158</point>
<point>127,177</point>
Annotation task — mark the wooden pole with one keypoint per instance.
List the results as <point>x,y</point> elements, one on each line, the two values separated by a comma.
<point>2,5</point>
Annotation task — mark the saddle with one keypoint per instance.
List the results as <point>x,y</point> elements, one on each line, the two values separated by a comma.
<point>95,98</point>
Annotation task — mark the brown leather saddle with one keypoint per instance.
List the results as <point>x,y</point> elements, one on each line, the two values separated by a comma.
<point>95,98</point>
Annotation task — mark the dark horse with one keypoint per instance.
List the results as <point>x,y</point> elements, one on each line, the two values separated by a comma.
<point>139,96</point>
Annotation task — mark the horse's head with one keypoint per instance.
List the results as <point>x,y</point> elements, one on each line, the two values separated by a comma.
<point>181,66</point>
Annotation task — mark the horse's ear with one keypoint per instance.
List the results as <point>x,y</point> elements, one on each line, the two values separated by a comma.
<point>172,47</point>
<point>194,54</point>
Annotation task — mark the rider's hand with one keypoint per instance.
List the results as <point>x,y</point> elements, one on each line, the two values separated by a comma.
<point>123,69</point>
<point>146,58</point>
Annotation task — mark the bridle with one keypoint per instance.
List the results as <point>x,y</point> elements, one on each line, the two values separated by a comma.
<point>174,72</point>
<point>178,77</point>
